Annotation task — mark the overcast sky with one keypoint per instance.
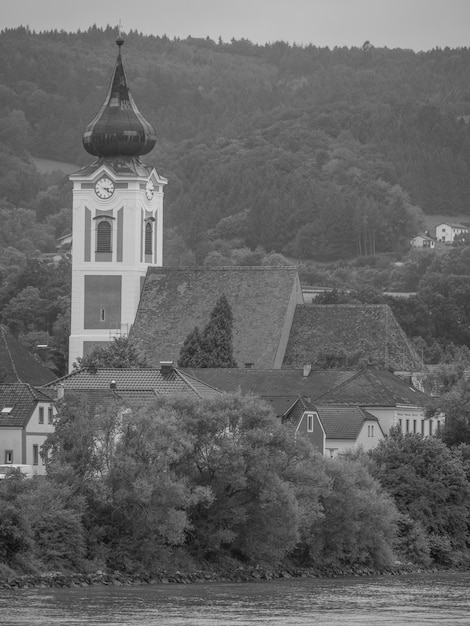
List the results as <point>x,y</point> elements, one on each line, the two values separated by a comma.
<point>416,24</point>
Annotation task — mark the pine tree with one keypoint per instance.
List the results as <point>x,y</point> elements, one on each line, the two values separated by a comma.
<point>191,353</point>
<point>214,347</point>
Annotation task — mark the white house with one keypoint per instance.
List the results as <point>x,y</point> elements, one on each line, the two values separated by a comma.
<point>26,419</point>
<point>422,241</point>
<point>447,231</point>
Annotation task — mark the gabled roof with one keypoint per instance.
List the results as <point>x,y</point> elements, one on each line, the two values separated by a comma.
<point>175,300</point>
<point>17,403</point>
<point>373,387</point>
<point>18,365</point>
<point>343,422</point>
<point>324,328</point>
<point>133,384</point>
<point>273,383</point>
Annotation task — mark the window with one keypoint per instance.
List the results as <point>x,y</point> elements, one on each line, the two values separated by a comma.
<point>7,409</point>
<point>407,426</point>
<point>414,426</point>
<point>41,415</point>
<point>422,427</point>
<point>310,422</point>
<point>35,454</point>
<point>370,430</point>
<point>430,427</point>
<point>50,415</point>
<point>148,237</point>
<point>103,237</point>
<point>8,456</point>
<point>400,424</point>
<point>102,315</point>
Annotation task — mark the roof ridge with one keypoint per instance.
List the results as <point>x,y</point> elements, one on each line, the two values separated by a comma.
<point>341,384</point>
<point>188,382</point>
<point>7,348</point>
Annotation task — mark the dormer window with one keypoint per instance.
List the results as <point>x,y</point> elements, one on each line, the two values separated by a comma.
<point>103,236</point>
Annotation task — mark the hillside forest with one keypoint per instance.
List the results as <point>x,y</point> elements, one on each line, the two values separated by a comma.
<point>331,159</point>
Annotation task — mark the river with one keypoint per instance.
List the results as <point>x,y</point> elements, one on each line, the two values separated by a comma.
<point>412,599</point>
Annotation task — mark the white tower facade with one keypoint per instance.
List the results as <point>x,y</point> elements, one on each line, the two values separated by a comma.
<point>117,222</point>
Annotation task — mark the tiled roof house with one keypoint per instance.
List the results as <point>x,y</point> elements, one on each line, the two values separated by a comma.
<point>129,386</point>
<point>175,300</point>
<point>26,418</point>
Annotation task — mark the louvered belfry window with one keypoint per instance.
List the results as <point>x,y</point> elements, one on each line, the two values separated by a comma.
<point>148,238</point>
<point>103,237</point>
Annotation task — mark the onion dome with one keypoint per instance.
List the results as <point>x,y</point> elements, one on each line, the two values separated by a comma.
<point>119,129</point>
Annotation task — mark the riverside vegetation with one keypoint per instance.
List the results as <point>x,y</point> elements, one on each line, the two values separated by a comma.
<point>221,485</point>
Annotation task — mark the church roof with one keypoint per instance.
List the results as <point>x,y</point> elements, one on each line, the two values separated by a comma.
<point>17,365</point>
<point>175,300</point>
<point>119,129</point>
<point>373,329</point>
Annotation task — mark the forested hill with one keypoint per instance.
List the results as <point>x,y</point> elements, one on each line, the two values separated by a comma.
<point>313,152</point>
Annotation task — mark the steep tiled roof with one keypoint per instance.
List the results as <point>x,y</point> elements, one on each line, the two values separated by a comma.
<point>332,327</point>
<point>21,398</point>
<point>133,384</point>
<point>18,365</point>
<point>289,383</point>
<point>373,387</point>
<point>175,300</point>
<point>343,422</point>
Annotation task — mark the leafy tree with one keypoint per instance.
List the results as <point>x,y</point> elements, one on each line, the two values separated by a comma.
<point>213,347</point>
<point>120,353</point>
<point>428,483</point>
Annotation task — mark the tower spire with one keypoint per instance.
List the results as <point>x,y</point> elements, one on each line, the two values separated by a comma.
<point>119,129</point>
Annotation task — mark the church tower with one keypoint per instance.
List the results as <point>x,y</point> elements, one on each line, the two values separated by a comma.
<point>117,220</point>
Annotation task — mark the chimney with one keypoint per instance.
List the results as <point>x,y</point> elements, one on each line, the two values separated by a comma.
<point>307,369</point>
<point>166,367</point>
<point>112,385</point>
<point>60,391</point>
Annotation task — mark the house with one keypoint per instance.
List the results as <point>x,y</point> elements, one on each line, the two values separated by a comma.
<point>334,429</point>
<point>26,419</point>
<point>354,407</point>
<point>393,401</point>
<point>129,386</point>
<point>447,231</point>
<point>422,242</point>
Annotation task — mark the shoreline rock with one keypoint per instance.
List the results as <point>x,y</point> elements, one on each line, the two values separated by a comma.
<point>239,574</point>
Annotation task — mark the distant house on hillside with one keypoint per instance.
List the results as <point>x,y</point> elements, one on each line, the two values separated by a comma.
<point>423,242</point>
<point>447,231</point>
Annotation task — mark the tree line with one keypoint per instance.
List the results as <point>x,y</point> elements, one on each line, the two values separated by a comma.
<point>182,482</point>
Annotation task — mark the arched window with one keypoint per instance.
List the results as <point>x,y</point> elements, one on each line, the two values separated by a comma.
<point>103,237</point>
<point>148,237</point>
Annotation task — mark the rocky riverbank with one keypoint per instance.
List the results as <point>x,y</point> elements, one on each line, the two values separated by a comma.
<point>239,574</point>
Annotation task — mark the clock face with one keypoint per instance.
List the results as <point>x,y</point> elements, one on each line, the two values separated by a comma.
<point>104,188</point>
<point>149,189</point>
